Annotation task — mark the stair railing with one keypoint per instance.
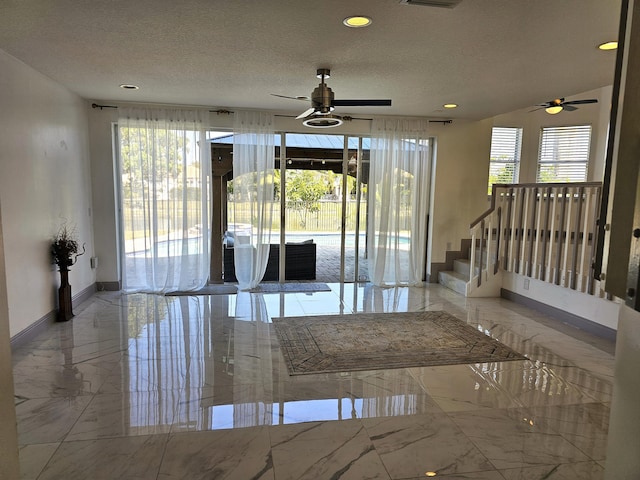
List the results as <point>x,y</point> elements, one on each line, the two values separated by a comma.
<point>545,231</point>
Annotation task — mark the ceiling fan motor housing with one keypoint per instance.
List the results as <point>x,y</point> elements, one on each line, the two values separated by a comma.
<point>322,98</point>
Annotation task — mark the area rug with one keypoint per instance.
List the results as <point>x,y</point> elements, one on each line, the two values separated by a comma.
<point>213,289</point>
<point>345,343</point>
<point>304,287</point>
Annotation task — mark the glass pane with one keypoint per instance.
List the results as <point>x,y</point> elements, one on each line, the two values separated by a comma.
<point>162,202</point>
<point>564,154</point>
<point>562,172</point>
<point>313,206</point>
<point>505,155</point>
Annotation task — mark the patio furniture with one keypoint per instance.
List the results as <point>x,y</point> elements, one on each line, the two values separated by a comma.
<point>300,262</point>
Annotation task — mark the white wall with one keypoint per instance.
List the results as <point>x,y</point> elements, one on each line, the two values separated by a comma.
<point>44,180</point>
<point>104,194</point>
<point>590,307</point>
<point>461,174</point>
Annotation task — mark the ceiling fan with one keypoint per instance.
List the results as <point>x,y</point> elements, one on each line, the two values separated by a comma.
<point>320,115</point>
<point>556,105</point>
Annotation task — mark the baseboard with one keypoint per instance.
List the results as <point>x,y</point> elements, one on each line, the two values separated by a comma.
<point>108,286</point>
<point>565,317</point>
<point>436,268</point>
<point>33,330</point>
<point>83,295</point>
<point>48,319</point>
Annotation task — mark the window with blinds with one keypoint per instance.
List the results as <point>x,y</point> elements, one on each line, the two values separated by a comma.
<point>564,154</point>
<point>504,165</point>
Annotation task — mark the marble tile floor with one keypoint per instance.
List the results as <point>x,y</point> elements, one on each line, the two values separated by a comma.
<point>153,387</point>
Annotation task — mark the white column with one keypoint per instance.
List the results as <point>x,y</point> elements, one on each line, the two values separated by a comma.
<point>9,468</point>
<point>623,449</point>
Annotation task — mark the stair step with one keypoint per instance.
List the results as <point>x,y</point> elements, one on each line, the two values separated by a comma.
<point>463,266</point>
<point>454,281</point>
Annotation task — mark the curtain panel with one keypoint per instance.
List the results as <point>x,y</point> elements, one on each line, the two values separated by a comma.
<point>398,202</point>
<point>253,194</point>
<point>165,168</point>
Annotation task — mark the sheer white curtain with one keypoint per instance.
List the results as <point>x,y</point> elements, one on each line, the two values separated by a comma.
<point>398,193</point>
<point>165,199</point>
<point>253,195</point>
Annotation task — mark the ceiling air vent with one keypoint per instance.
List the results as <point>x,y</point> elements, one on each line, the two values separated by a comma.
<point>432,3</point>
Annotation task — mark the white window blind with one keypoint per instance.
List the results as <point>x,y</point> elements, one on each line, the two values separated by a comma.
<point>504,165</point>
<point>564,154</point>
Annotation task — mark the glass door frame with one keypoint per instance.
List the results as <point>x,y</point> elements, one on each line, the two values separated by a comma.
<point>343,219</point>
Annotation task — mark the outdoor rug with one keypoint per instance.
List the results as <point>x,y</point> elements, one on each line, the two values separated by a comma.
<point>213,289</point>
<point>377,341</point>
<point>291,288</point>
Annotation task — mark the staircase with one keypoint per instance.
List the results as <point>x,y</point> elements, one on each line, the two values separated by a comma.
<point>546,232</point>
<point>459,279</point>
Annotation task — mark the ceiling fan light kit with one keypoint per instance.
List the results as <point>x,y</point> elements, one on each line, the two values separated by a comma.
<point>323,121</point>
<point>554,110</point>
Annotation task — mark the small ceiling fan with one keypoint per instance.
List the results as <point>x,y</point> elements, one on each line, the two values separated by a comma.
<point>556,105</point>
<point>320,115</point>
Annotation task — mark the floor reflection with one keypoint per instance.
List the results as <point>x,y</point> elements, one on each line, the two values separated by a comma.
<point>164,368</point>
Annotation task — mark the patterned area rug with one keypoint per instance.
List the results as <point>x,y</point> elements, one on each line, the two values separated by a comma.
<point>344,343</point>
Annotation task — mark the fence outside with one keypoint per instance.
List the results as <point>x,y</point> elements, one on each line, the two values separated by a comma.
<point>327,217</point>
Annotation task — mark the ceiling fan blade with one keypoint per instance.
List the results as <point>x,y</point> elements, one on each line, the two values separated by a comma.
<point>362,103</point>
<point>306,113</point>
<point>569,108</point>
<point>579,102</point>
<point>536,109</point>
<point>299,97</point>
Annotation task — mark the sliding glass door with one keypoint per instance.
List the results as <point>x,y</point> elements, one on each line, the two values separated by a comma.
<point>321,215</point>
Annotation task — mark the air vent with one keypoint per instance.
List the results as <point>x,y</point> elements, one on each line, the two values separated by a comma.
<point>432,3</point>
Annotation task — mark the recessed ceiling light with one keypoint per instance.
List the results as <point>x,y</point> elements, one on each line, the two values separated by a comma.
<point>608,46</point>
<point>128,86</point>
<point>450,105</point>
<point>357,21</point>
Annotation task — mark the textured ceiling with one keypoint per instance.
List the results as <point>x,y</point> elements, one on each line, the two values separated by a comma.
<point>489,56</point>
